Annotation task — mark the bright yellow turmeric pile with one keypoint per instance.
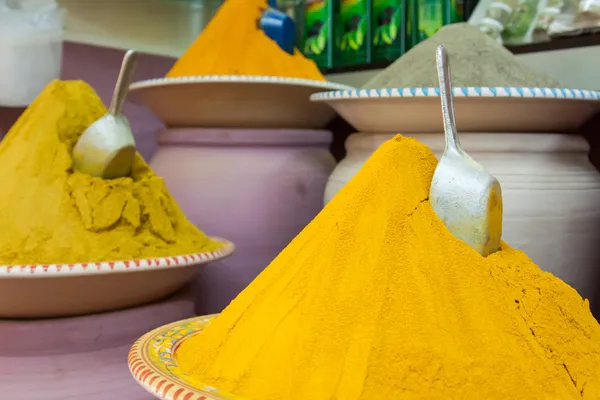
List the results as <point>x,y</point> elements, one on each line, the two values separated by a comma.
<point>376,300</point>
<point>233,44</point>
<point>51,214</point>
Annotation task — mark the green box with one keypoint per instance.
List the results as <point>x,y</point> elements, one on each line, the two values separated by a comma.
<point>389,28</point>
<point>456,9</point>
<point>430,18</point>
<point>426,17</point>
<point>352,40</point>
<point>318,32</point>
<point>412,24</point>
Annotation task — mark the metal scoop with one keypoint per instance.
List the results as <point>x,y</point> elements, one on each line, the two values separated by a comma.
<point>107,148</point>
<point>464,195</point>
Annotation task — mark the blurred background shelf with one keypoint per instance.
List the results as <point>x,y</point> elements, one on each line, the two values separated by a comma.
<point>167,27</point>
<point>557,44</point>
<point>573,61</point>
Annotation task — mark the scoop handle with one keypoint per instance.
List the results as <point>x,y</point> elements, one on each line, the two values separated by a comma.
<point>445,79</point>
<point>123,81</point>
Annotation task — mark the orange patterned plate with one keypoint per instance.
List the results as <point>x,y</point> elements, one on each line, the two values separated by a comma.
<point>32,291</point>
<point>153,363</point>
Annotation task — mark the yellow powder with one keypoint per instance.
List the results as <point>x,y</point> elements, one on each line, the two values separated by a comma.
<point>233,44</point>
<point>51,214</point>
<point>375,299</point>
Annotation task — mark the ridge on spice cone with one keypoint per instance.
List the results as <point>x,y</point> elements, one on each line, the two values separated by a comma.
<point>375,299</point>
<point>54,215</point>
<point>233,44</point>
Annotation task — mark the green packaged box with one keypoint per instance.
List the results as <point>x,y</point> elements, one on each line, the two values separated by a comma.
<point>318,32</point>
<point>412,24</point>
<point>428,16</point>
<point>389,27</point>
<point>352,41</point>
<point>456,9</point>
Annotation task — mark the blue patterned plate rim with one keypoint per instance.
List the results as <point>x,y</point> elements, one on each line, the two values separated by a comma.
<point>240,79</point>
<point>518,92</point>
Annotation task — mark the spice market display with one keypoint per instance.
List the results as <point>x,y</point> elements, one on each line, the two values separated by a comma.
<point>375,299</point>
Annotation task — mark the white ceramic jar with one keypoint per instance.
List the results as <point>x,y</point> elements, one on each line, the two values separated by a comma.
<point>257,188</point>
<point>551,195</point>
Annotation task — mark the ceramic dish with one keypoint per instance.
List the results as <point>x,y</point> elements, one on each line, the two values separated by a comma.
<point>478,109</point>
<point>235,101</point>
<point>59,290</point>
<point>153,363</point>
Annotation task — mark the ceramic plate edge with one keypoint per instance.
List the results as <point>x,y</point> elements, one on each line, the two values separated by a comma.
<point>78,269</point>
<point>155,381</point>
<point>516,92</point>
<point>239,79</point>
<point>140,370</point>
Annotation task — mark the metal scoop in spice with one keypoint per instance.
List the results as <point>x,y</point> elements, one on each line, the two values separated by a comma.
<point>467,198</point>
<point>107,148</point>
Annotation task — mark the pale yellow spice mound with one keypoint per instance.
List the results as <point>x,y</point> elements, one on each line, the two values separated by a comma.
<point>51,214</point>
<point>376,300</point>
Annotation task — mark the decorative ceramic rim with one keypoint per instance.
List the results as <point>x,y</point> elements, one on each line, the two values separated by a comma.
<point>106,267</point>
<point>153,365</point>
<point>515,92</point>
<point>239,79</point>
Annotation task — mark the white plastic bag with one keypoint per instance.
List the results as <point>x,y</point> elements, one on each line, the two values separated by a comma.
<point>31,37</point>
<point>580,17</point>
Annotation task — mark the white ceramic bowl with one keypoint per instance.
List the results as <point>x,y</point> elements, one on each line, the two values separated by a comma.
<point>478,109</point>
<point>228,101</point>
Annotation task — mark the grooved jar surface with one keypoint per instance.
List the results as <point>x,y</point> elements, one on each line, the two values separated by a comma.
<point>257,188</point>
<point>550,189</point>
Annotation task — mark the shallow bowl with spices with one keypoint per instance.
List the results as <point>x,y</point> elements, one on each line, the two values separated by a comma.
<point>60,290</point>
<point>153,363</point>
<point>236,101</point>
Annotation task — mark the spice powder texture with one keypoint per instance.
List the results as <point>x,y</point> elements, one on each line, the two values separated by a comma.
<point>51,214</point>
<point>233,44</point>
<point>375,299</point>
<point>477,60</point>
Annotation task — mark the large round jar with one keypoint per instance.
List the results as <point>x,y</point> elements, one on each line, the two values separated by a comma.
<point>257,188</point>
<point>550,189</point>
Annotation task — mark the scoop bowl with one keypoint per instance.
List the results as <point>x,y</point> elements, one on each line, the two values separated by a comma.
<point>106,149</point>
<point>468,200</point>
